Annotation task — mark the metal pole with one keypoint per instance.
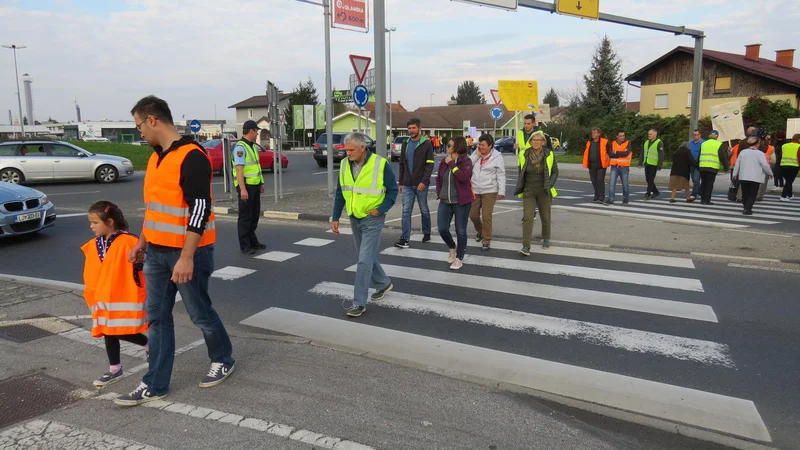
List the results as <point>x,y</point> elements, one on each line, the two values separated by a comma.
<point>326,17</point>
<point>697,76</point>
<point>380,74</point>
<point>391,105</point>
<point>14,47</point>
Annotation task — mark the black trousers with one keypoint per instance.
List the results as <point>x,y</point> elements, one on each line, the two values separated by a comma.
<point>249,213</point>
<point>749,194</point>
<point>707,185</point>
<point>112,345</point>
<point>650,175</point>
<point>598,176</point>
<point>789,174</point>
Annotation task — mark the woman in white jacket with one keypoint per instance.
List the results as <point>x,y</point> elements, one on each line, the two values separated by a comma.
<point>750,169</point>
<point>489,184</point>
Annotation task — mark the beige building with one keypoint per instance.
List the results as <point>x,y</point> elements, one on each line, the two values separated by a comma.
<point>255,108</point>
<point>666,83</point>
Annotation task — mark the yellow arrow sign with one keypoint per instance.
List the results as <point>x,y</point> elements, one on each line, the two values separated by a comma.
<point>588,9</point>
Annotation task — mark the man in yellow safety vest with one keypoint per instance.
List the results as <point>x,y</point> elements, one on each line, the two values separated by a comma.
<point>790,164</point>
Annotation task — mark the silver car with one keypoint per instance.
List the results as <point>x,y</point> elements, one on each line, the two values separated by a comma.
<point>24,210</point>
<point>31,160</point>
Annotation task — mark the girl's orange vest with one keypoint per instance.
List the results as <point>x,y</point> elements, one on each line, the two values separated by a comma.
<point>116,302</point>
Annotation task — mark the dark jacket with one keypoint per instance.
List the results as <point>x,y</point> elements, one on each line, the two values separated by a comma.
<point>423,164</point>
<point>462,176</point>
<point>682,163</point>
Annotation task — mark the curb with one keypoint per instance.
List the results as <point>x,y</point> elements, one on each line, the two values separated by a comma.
<point>284,215</point>
<point>42,282</point>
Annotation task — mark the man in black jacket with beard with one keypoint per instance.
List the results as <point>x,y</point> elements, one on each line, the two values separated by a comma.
<point>416,166</point>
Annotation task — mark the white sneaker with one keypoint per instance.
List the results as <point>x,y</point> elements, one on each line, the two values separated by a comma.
<point>786,199</point>
<point>457,264</point>
<point>452,257</point>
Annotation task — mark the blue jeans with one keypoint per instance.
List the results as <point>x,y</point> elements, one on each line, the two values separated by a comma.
<point>367,235</point>
<point>623,173</point>
<point>445,217</point>
<point>410,193</point>
<point>160,301</point>
<point>695,182</point>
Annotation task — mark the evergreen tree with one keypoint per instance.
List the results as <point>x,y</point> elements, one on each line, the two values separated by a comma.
<point>551,98</point>
<point>604,91</point>
<point>469,93</point>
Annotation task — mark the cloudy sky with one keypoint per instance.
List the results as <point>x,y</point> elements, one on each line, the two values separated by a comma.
<point>200,53</point>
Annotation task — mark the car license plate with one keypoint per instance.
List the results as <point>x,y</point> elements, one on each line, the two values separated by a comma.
<point>29,216</point>
<point>324,153</point>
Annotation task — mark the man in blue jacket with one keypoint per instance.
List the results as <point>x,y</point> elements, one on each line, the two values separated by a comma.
<point>694,146</point>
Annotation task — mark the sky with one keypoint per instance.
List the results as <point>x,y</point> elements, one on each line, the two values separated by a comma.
<point>202,56</point>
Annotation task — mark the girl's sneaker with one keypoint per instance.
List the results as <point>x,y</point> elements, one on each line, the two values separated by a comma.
<point>107,379</point>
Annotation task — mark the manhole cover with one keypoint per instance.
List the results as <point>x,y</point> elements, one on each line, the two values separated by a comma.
<point>23,332</point>
<point>32,395</point>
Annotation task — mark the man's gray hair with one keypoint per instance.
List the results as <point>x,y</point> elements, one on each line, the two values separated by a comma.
<point>356,139</point>
<point>752,140</point>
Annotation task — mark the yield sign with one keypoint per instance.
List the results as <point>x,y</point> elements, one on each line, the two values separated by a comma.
<point>360,66</point>
<point>495,96</point>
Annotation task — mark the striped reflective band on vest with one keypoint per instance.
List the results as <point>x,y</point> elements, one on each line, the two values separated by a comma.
<point>182,213</point>
<point>115,323</point>
<point>372,190</point>
<point>118,306</point>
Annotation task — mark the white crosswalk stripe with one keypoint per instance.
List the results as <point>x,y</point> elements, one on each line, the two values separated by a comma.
<point>507,293</point>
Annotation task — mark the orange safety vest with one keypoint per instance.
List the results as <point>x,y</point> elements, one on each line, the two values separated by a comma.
<point>734,155</point>
<point>770,149</point>
<point>604,159</point>
<point>167,213</point>
<point>624,161</point>
<point>114,298</point>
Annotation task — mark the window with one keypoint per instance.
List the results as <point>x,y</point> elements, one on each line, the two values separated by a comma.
<point>689,100</point>
<point>63,150</point>
<point>8,150</point>
<point>662,101</point>
<point>250,113</point>
<point>722,84</point>
<point>32,150</point>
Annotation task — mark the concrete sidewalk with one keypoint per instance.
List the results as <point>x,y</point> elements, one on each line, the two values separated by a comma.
<point>284,394</point>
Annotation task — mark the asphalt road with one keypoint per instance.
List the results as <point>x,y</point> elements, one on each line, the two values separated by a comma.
<point>742,350</point>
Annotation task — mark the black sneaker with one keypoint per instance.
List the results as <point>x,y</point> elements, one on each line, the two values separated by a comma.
<point>485,247</point>
<point>355,311</point>
<point>545,243</point>
<point>747,213</point>
<point>217,374</point>
<point>402,243</point>
<point>478,237</point>
<point>597,201</point>
<point>141,394</point>
<point>107,379</point>
<point>381,293</point>
<point>656,195</point>
<point>259,246</point>
<point>625,202</point>
<point>608,203</point>
<point>426,238</point>
<point>647,197</point>
<point>248,251</point>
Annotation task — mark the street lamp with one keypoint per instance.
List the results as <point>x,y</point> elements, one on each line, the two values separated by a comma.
<point>19,93</point>
<point>431,99</point>
<point>391,106</point>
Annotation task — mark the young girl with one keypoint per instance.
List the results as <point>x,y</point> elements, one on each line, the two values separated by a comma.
<point>115,289</point>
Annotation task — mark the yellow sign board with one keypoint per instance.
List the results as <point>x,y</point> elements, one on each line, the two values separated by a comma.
<point>519,95</point>
<point>588,9</point>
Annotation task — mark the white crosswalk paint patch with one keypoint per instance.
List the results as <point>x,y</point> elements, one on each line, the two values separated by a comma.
<point>723,212</point>
<point>314,242</point>
<point>277,256</point>
<point>231,273</point>
<point>687,284</point>
<point>622,213</point>
<point>705,352</point>
<point>682,214</point>
<point>737,207</point>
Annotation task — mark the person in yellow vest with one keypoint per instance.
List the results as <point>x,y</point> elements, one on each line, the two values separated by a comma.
<point>114,287</point>
<point>652,158</point>
<point>249,183</point>
<point>524,135</point>
<point>595,158</point>
<point>713,158</point>
<point>537,177</point>
<point>179,232</point>
<point>790,164</point>
<point>367,190</point>
<point>620,154</point>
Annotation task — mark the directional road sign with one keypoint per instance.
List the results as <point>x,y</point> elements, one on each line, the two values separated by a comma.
<point>360,96</point>
<point>496,113</point>
<point>195,126</point>
<point>588,9</point>
<point>360,66</point>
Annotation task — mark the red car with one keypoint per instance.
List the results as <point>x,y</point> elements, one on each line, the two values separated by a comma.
<point>266,157</point>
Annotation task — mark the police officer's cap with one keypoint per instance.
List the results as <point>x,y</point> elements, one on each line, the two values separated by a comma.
<point>250,125</point>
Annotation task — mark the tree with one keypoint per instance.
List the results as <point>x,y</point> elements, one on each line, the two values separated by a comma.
<point>304,94</point>
<point>551,98</point>
<point>769,115</point>
<point>604,91</point>
<point>469,93</point>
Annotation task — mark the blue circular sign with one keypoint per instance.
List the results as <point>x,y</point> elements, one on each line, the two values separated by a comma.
<point>496,113</point>
<point>195,126</point>
<point>360,96</point>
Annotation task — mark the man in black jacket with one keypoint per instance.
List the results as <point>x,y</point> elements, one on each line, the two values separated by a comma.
<point>416,166</point>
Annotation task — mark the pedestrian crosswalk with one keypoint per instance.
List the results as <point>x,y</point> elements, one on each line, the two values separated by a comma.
<point>550,324</point>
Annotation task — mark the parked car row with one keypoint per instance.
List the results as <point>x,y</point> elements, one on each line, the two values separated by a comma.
<point>265,157</point>
<point>42,160</point>
<point>321,148</point>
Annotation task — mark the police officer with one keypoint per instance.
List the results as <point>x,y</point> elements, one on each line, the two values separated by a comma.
<point>249,184</point>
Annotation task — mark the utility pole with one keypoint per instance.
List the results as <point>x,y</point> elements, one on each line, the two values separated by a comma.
<point>391,105</point>
<point>14,47</point>
<point>380,74</point>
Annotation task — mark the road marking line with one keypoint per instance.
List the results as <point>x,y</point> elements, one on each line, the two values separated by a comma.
<point>667,261</point>
<point>773,269</point>
<point>659,214</point>
<point>320,173</point>
<point>277,429</point>
<point>621,213</point>
<point>687,349</point>
<point>675,404</point>
<point>728,207</point>
<point>277,256</point>
<point>73,193</point>
<point>49,434</point>
<point>229,273</point>
<point>66,216</point>
<point>767,201</point>
<point>567,197</point>
<point>314,242</point>
<point>728,212</point>
<point>342,230</point>
<point>591,273</point>
<point>556,293</point>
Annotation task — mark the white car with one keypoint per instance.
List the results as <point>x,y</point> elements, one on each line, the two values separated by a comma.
<point>94,139</point>
<point>36,160</point>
